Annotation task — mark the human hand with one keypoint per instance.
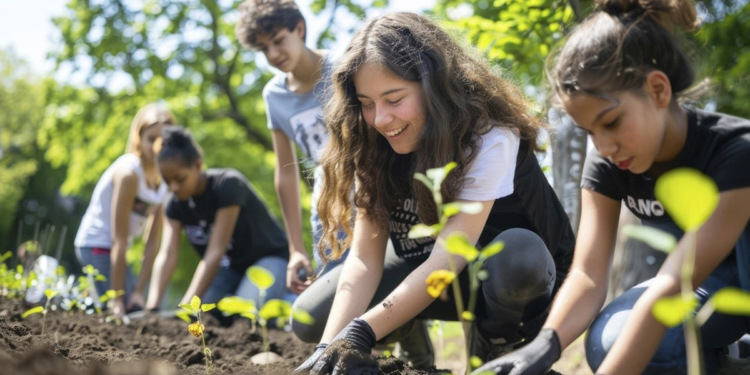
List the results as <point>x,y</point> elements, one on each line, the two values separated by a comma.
<point>297,261</point>
<point>118,307</point>
<point>348,353</point>
<point>536,358</point>
<point>135,302</point>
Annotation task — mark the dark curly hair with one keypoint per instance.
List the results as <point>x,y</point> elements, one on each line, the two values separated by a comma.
<point>464,99</point>
<point>264,17</point>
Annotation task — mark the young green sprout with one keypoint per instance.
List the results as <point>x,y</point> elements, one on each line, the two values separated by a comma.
<point>109,297</point>
<point>273,309</point>
<point>456,244</point>
<point>50,294</point>
<point>196,329</point>
<point>690,208</point>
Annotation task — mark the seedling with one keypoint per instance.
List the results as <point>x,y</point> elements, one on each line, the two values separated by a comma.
<point>456,244</point>
<point>273,309</point>
<point>196,329</point>
<point>690,208</point>
<point>50,294</point>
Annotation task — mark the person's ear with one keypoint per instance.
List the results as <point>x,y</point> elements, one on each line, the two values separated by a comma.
<point>658,87</point>
<point>199,165</point>
<point>301,29</point>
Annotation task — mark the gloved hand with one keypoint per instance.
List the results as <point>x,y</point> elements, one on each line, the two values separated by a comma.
<point>356,340</point>
<point>536,358</point>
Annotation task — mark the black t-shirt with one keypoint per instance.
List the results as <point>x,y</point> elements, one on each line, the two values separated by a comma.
<point>716,144</point>
<point>257,233</point>
<point>528,201</point>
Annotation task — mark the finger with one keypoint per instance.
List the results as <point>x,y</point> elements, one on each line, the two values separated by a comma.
<point>321,367</point>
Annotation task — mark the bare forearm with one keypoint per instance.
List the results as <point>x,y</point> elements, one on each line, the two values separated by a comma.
<point>406,301</point>
<point>163,269</point>
<point>354,293</point>
<point>118,265</point>
<point>149,255</point>
<point>204,275</point>
<point>288,193</point>
<point>577,303</point>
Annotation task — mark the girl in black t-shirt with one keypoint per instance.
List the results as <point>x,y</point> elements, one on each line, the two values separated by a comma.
<point>224,220</point>
<point>619,76</point>
<point>406,97</point>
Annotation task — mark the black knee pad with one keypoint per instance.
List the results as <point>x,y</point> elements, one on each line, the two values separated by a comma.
<point>523,272</point>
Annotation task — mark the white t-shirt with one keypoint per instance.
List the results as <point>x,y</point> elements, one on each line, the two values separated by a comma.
<point>96,227</point>
<point>491,174</point>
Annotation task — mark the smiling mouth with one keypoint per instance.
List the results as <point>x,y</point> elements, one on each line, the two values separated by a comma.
<point>396,132</point>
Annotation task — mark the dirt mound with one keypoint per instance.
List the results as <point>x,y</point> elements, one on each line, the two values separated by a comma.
<point>76,343</point>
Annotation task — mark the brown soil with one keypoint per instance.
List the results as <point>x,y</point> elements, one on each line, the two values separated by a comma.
<point>75,343</point>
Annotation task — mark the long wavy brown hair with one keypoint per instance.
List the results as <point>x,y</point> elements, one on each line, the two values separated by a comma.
<point>464,99</point>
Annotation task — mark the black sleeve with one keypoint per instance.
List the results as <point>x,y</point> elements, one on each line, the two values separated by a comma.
<point>729,167</point>
<point>599,176</point>
<point>232,190</point>
<point>173,210</point>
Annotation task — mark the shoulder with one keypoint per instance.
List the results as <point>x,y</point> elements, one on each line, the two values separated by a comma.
<point>491,174</point>
<point>274,86</point>
<point>226,177</point>
<point>124,176</point>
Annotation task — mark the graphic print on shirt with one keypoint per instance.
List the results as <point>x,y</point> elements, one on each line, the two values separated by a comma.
<point>645,207</point>
<point>198,235</point>
<point>403,217</point>
<point>142,208</point>
<point>309,131</point>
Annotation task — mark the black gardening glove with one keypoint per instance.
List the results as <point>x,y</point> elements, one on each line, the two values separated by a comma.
<point>536,358</point>
<point>348,353</point>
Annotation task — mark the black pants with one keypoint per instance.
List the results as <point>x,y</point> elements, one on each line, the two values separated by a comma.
<point>519,289</point>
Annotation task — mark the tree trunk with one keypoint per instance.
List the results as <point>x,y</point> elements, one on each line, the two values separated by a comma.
<point>568,153</point>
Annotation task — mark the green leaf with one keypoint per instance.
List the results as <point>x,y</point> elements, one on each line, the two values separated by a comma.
<point>249,315</point>
<point>437,175</point>
<point>275,308</point>
<point>454,208</point>
<point>657,239</point>
<point>420,177</point>
<point>89,270</point>
<point>458,244</point>
<point>671,311</point>
<point>187,307</point>
<point>491,249</point>
<point>236,305</point>
<point>195,303</point>
<point>302,316</point>
<point>483,275</point>
<point>100,278</point>
<point>31,311</point>
<point>422,230</point>
<point>5,256</point>
<point>468,316</point>
<point>732,301</point>
<point>689,196</point>
<point>475,361</point>
<point>208,307</point>
<point>49,293</point>
<point>260,277</point>
<point>184,314</point>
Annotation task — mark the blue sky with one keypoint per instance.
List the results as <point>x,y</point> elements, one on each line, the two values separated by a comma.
<point>26,27</point>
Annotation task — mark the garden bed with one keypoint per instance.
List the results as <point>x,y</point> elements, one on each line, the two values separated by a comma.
<point>76,343</point>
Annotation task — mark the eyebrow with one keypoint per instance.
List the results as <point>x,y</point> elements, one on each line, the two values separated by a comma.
<point>391,91</point>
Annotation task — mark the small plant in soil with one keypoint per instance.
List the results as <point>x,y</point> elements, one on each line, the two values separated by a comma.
<point>50,294</point>
<point>196,329</point>
<point>457,244</point>
<point>273,309</point>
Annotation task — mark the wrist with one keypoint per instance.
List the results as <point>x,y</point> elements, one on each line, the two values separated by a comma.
<point>552,342</point>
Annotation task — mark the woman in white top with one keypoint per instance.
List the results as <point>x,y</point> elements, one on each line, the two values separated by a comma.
<point>126,199</point>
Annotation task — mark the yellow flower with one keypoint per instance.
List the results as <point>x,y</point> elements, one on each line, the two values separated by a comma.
<point>196,329</point>
<point>438,281</point>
